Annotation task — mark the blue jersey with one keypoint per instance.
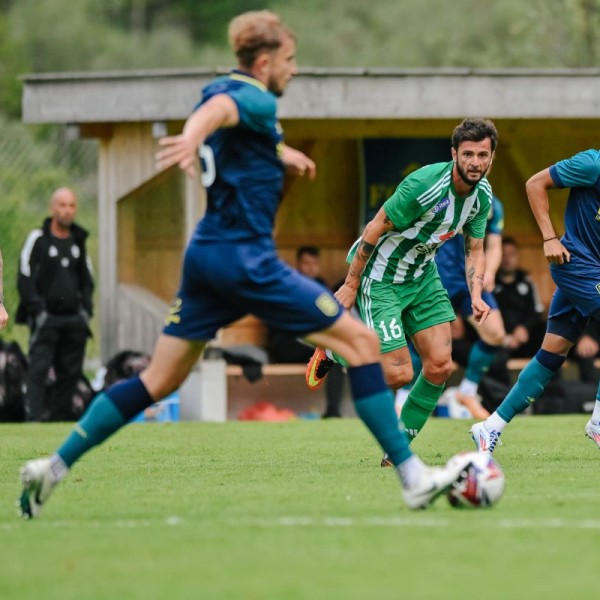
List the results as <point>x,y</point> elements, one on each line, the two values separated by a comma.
<point>450,258</point>
<point>578,281</point>
<point>581,173</point>
<point>243,171</point>
<point>231,267</point>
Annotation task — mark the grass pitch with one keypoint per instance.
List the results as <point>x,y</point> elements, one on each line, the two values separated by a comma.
<point>298,510</point>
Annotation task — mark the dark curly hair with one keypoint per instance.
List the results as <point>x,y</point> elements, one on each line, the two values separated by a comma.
<point>475,130</point>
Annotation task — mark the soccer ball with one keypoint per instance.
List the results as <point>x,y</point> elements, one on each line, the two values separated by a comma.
<point>482,484</point>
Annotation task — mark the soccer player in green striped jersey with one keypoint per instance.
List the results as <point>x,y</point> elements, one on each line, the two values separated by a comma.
<point>393,279</point>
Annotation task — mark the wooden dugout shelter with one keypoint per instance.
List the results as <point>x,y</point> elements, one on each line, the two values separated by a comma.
<point>146,218</point>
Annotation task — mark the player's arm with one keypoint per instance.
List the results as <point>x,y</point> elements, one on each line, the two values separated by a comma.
<point>380,224</point>
<point>493,258</point>
<point>475,270</point>
<point>297,163</point>
<point>3,313</point>
<point>537,188</point>
<point>220,111</point>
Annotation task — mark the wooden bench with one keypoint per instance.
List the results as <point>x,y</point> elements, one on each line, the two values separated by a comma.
<point>284,385</point>
<point>270,370</point>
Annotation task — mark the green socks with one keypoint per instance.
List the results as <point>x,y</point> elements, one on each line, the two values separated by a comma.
<point>419,405</point>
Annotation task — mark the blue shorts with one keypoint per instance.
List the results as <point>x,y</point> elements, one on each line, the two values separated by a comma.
<point>461,301</point>
<point>576,299</point>
<point>223,282</point>
<point>580,283</point>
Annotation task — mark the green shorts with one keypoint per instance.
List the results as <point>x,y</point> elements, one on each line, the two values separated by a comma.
<point>400,309</point>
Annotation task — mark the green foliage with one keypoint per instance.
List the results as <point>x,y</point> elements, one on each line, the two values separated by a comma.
<point>12,63</point>
<point>436,33</point>
<point>298,510</point>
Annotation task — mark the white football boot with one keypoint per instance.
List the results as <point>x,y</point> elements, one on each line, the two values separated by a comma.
<point>38,481</point>
<point>593,432</point>
<point>435,481</point>
<point>486,441</point>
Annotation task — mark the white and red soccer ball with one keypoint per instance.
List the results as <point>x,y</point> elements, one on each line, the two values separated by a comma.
<point>481,485</point>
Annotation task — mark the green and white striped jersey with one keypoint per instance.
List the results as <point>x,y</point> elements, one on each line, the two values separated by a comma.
<point>426,211</point>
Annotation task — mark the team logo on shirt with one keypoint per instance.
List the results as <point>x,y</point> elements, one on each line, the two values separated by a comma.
<point>598,215</point>
<point>327,305</point>
<point>598,288</point>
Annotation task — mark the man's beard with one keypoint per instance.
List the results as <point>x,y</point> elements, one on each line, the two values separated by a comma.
<point>463,175</point>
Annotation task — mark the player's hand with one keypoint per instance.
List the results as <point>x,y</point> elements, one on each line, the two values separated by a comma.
<point>178,150</point>
<point>556,253</point>
<point>297,163</point>
<point>346,296</point>
<point>480,310</point>
<point>3,317</point>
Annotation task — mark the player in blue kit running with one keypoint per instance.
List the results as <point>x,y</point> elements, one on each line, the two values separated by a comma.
<point>231,268</point>
<point>575,268</point>
<point>450,262</point>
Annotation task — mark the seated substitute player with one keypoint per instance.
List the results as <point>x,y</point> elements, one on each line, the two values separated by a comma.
<point>575,268</point>
<point>519,303</point>
<point>393,278</point>
<point>586,351</point>
<point>231,268</point>
<point>450,261</point>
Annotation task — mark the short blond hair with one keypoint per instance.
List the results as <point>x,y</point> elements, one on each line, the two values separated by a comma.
<point>254,32</point>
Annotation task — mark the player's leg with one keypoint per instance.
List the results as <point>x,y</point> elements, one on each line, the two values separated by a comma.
<point>427,315</point>
<point>434,346</point>
<point>565,326</point>
<point>373,400</point>
<point>592,427</point>
<point>417,366</point>
<point>195,316</point>
<point>528,388</point>
<point>374,403</point>
<point>172,360</point>
<point>483,352</point>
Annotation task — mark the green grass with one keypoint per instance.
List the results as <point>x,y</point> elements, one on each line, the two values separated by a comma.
<point>298,510</point>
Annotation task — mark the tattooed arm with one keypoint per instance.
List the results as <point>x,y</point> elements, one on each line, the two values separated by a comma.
<point>380,224</point>
<point>475,269</point>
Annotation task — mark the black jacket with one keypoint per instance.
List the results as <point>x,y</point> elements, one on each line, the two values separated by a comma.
<point>54,275</point>
<point>519,302</point>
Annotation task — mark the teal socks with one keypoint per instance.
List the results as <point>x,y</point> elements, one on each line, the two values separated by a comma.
<point>530,384</point>
<point>99,422</point>
<point>480,360</point>
<point>374,404</point>
<point>107,413</point>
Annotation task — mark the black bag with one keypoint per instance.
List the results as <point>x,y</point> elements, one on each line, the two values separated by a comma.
<point>124,365</point>
<point>13,368</point>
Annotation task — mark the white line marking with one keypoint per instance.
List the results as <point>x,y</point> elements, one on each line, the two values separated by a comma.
<point>304,521</point>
